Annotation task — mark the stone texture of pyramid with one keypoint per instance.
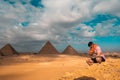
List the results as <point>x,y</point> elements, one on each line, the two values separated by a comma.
<point>70,50</point>
<point>1,53</point>
<point>8,50</point>
<point>48,48</point>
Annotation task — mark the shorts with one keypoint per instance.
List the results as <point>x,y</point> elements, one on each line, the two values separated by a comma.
<point>95,61</point>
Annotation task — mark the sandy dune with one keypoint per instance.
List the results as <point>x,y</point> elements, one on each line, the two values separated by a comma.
<point>57,67</point>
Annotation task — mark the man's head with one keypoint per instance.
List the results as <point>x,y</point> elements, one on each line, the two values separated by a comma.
<point>90,43</point>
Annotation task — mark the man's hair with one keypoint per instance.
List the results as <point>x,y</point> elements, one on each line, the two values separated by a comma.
<point>90,43</point>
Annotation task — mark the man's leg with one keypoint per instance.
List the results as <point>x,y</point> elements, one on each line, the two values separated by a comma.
<point>98,59</point>
<point>89,62</point>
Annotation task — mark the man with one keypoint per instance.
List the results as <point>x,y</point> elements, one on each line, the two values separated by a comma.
<point>95,53</point>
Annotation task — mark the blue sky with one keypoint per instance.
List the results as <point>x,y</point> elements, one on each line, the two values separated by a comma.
<point>28,24</point>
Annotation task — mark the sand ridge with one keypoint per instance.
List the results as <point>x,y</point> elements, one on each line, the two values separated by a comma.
<point>109,70</point>
<point>57,67</point>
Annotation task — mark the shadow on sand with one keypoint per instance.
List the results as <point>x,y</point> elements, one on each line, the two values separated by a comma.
<point>85,78</point>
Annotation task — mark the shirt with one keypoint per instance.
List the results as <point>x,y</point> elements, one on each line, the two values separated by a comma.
<point>95,50</point>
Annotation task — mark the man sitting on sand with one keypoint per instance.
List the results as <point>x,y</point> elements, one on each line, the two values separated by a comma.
<point>95,53</point>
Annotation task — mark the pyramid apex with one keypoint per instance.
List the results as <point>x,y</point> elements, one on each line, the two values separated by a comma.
<point>69,46</point>
<point>48,42</point>
<point>8,50</point>
<point>8,44</point>
<point>48,48</point>
<point>70,50</point>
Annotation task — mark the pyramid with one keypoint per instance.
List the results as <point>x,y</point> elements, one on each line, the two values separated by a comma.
<point>8,50</point>
<point>1,53</point>
<point>70,50</point>
<point>48,48</point>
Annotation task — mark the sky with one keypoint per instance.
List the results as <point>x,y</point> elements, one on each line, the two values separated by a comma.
<point>28,24</point>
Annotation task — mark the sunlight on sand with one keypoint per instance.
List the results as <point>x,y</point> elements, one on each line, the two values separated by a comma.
<point>57,67</point>
<point>109,70</point>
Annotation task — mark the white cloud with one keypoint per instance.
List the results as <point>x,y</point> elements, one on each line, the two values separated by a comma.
<point>107,29</point>
<point>108,6</point>
<point>54,20</point>
<point>87,31</point>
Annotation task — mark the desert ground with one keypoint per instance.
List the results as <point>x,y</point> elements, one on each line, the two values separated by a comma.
<point>57,67</point>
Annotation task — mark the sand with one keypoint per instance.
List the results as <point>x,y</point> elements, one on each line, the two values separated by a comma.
<point>57,67</point>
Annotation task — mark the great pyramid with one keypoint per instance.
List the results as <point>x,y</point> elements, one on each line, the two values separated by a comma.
<point>48,48</point>
<point>8,50</point>
<point>70,50</point>
<point>1,53</point>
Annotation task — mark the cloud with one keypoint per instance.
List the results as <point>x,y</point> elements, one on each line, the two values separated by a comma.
<point>23,21</point>
<point>107,27</point>
<point>112,8</point>
<point>83,31</point>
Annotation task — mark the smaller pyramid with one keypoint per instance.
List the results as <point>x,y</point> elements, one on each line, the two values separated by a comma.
<point>8,50</point>
<point>70,50</point>
<point>48,48</point>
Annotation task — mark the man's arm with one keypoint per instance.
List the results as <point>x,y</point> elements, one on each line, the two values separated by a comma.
<point>98,51</point>
<point>98,54</point>
<point>91,51</point>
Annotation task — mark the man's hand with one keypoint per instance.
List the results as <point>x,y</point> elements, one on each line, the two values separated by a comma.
<point>90,54</point>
